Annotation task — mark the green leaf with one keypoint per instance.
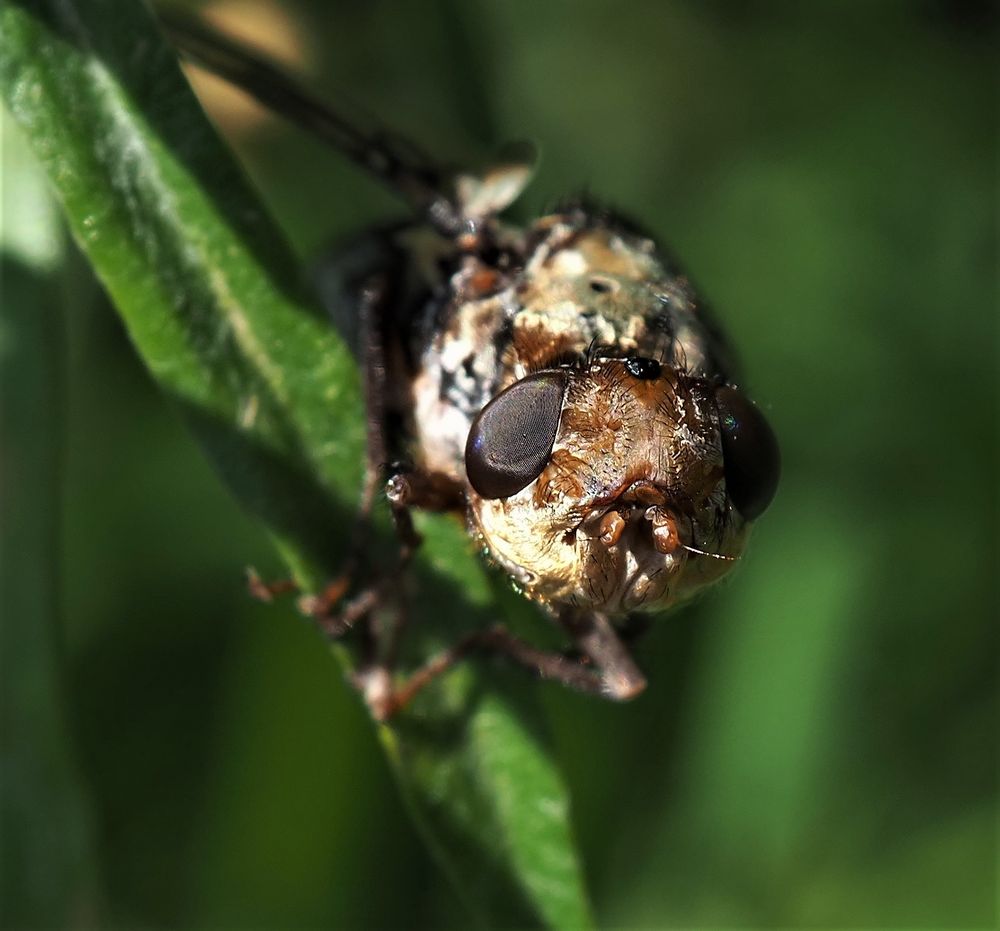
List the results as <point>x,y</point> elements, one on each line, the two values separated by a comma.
<point>473,764</point>
<point>211,300</point>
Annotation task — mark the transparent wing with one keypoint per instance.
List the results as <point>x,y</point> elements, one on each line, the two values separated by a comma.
<point>453,202</point>
<point>407,171</point>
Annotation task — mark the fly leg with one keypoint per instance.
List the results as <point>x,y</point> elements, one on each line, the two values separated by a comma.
<point>603,665</point>
<point>380,608</point>
<point>599,642</point>
<point>405,490</point>
<point>328,608</point>
<point>377,610</point>
<point>545,664</point>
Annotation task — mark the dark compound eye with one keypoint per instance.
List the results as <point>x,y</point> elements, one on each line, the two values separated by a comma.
<point>511,440</point>
<point>750,452</point>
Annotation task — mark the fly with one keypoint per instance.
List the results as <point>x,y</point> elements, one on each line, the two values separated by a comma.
<point>560,386</point>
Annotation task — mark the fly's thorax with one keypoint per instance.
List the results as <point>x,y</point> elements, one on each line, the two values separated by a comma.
<point>565,285</point>
<point>588,283</point>
<point>633,489</point>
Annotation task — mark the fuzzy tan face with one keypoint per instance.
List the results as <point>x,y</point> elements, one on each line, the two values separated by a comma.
<point>629,492</point>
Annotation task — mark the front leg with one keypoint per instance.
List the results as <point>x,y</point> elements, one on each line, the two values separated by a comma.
<point>597,639</point>
<point>333,611</point>
<point>371,299</point>
<point>603,665</point>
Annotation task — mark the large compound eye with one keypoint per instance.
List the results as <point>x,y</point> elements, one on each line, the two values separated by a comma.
<point>511,440</point>
<point>750,451</point>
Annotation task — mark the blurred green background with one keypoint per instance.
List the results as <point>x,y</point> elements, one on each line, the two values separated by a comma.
<point>818,745</point>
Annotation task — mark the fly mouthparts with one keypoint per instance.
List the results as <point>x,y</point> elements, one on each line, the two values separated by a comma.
<point>643,492</point>
<point>666,536</point>
<point>611,528</point>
